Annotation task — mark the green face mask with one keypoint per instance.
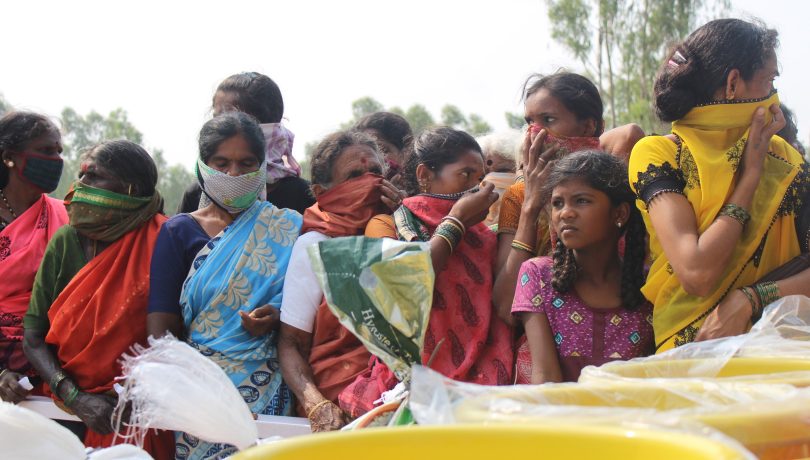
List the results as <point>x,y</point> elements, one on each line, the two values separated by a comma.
<point>103,215</point>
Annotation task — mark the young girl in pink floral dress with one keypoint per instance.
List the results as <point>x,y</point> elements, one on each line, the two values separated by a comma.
<point>583,306</point>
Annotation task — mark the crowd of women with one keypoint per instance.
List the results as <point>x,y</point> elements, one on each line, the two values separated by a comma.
<point>562,246</point>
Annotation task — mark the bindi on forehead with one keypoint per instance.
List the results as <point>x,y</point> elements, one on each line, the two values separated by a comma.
<point>363,161</point>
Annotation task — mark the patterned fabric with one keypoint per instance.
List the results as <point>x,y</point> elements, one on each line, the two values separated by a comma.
<point>511,204</point>
<point>103,215</point>
<point>22,245</point>
<point>278,152</point>
<point>583,335</point>
<point>718,132</point>
<point>232,193</point>
<point>240,269</point>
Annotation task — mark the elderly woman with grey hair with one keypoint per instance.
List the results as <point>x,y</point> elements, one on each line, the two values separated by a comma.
<point>501,152</point>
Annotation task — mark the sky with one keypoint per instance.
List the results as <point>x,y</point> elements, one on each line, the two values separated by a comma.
<point>161,60</point>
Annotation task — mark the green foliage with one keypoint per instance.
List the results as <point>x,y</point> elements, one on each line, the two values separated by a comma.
<point>4,105</point>
<point>79,133</point>
<point>474,124</point>
<point>622,43</point>
<point>419,118</point>
<point>365,106</point>
<point>514,120</point>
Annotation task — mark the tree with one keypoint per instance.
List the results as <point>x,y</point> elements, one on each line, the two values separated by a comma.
<point>621,44</point>
<point>365,106</point>
<point>474,124</point>
<point>514,120</point>
<point>4,105</point>
<point>82,132</point>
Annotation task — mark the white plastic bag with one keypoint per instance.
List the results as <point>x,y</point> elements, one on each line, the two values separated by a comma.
<point>173,387</point>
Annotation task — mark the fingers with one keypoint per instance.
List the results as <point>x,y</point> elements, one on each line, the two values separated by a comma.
<point>757,123</point>
<point>777,123</point>
<point>10,390</point>
<point>537,148</point>
<point>261,312</point>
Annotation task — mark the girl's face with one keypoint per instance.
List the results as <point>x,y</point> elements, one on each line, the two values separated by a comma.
<point>546,111</point>
<point>388,150</point>
<point>224,102</point>
<point>234,157</point>
<point>465,173</point>
<point>584,217</point>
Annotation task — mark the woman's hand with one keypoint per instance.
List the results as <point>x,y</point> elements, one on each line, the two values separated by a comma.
<point>537,161</point>
<point>473,208</point>
<point>731,317</point>
<point>759,137</point>
<point>327,417</point>
<point>95,411</point>
<point>391,196</point>
<point>10,390</point>
<point>261,321</point>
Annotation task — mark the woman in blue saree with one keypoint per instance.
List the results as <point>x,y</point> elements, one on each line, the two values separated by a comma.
<point>218,272</point>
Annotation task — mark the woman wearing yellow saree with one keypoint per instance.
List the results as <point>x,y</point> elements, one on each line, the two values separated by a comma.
<point>721,193</point>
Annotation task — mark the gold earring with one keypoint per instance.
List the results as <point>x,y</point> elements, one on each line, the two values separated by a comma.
<point>130,190</point>
<point>423,187</point>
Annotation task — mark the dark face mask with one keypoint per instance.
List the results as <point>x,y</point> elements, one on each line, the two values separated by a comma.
<point>41,171</point>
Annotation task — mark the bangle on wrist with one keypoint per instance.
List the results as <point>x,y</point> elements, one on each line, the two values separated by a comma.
<point>767,292</point>
<point>751,299</point>
<point>57,379</point>
<point>71,397</point>
<point>316,407</point>
<point>521,246</point>
<point>457,221</point>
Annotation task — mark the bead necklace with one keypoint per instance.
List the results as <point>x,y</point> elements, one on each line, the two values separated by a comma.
<point>10,209</point>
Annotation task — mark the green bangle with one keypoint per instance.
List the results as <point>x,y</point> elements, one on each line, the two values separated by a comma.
<point>737,213</point>
<point>71,397</point>
<point>756,309</point>
<point>768,293</point>
<point>56,379</point>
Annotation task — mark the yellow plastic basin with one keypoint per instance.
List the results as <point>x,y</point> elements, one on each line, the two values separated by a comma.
<point>792,371</point>
<point>767,426</point>
<point>496,442</point>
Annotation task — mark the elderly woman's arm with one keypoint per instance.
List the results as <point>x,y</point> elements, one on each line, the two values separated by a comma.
<point>293,348</point>
<point>699,259</point>
<point>94,410</point>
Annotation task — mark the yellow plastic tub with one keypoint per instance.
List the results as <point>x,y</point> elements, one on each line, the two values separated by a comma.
<point>792,371</point>
<point>497,442</point>
<point>767,424</point>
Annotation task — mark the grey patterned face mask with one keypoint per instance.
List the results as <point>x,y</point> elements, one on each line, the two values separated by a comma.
<point>452,196</point>
<point>232,193</point>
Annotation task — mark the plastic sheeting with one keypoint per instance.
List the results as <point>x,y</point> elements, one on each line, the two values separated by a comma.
<point>776,350</point>
<point>171,386</point>
<point>26,434</point>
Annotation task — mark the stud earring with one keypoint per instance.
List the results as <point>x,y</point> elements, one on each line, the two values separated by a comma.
<point>619,223</point>
<point>10,164</point>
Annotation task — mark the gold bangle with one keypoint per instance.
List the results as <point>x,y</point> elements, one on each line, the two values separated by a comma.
<point>523,246</point>
<point>457,221</point>
<point>317,406</point>
<point>449,243</point>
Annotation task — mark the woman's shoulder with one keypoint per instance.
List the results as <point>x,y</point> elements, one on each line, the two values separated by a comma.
<point>538,267</point>
<point>650,148</point>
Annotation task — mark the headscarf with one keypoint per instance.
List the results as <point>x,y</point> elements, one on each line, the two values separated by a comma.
<point>103,215</point>
<point>278,152</point>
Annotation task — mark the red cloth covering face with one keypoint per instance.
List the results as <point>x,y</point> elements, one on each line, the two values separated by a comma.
<point>100,314</point>
<point>345,209</point>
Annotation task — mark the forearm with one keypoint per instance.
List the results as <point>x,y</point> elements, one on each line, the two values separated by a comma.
<point>158,324</point>
<point>798,284</point>
<point>503,291</point>
<point>439,253</point>
<point>45,361</point>
<point>297,373</point>
<point>545,362</point>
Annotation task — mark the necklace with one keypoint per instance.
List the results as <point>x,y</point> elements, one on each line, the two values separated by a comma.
<point>8,206</point>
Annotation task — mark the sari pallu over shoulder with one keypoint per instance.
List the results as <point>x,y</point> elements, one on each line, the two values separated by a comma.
<point>22,245</point>
<point>101,313</point>
<point>240,269</point>
<point>712,141</point>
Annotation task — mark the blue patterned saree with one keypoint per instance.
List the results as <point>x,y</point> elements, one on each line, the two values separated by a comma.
<point>240,269</point>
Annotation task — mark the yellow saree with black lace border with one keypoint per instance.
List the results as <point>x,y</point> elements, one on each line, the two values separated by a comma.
<point>702,166</point>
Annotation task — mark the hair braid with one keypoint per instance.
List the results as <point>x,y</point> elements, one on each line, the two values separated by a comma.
<point>564,268</point>
<point>633,263</point>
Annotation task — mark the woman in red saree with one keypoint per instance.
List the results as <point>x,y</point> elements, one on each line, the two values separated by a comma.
<point>90,294</point>
<point>465,340</point>
<point>30,167</point>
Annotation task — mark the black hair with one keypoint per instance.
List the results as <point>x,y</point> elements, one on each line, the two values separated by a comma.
<point>128,162</point>
<point>607,174</point>
<point>577,93</point>
<point>435,148</point>
<point>330,149</point>
<point>699,66</point>
<point>256,94</point>
<point>790,132</point>
<point>18,128</point>
<point>219,129</point>
<point>392,127</point>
